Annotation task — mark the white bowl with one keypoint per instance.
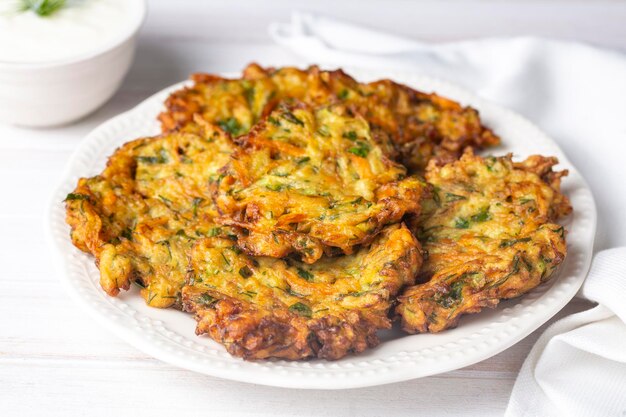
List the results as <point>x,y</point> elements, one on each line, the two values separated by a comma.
<point>59,92</point>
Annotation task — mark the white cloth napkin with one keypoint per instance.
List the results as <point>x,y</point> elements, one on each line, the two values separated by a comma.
<point>575,93</point>
<point>578,366</point>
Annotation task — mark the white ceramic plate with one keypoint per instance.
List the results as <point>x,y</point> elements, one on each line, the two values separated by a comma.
<point>169,334</point>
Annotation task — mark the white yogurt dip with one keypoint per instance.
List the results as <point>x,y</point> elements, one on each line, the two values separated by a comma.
<point>80,28</point>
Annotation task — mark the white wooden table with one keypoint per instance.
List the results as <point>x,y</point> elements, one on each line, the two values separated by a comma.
<point>55,361</point>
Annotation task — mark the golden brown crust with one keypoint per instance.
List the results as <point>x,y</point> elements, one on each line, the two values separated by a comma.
<point>311,181</point>
<point>489,235</point>
<point>273,209</point>
<point>411,127</point>
<point>140,217</point>
<point>264,307</point>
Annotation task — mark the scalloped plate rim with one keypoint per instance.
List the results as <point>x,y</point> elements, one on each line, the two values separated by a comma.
<point>185,352</point>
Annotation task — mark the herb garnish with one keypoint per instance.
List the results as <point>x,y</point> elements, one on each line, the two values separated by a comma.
<point>361,150</point>
<point>301,309</point>
<point>76,196</point>
<point>350,135</point>
<point>560,231</point>
<point>127,233</point>
<point>453,296</point>
<point>42,8</point>
<point>249,93</point>
<point>454,197</point>
<point>289,291</point>
<point>276,187</point>
<point>514,270</point>
<point>304,274</point>
<point>230,125</point>
<point>207,300</point>
<point>482,216</point>
<point>182,233</point>
<point>273,121</point>
<point>195,203</point>
<point>290,117</point>
<point>149,159</point>
<point>214,231</point>
<point>166,200</point>
<point>461,223</point>
<point>511,242</point>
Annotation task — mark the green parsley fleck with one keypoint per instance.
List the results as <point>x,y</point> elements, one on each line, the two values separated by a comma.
<point>290,117</point>
<point>127,233</point>
<point>273,121</point>
<point>148,159</point>
<point>275,187</point>
<point>304,274</point>
<point>351,135</point>
<point>323,131</point>
<point>461,223</point>
<point>361,150</point>
<point>453,296</point>
<point>301,309</point>
<point>76,196</point>
<point>560,231</point>
<point>166,200</point>
<point>195,203</point>
<point>230,125</point>
<point>214,231</point>
<point>454,197</point>
<point>152,160</point>
<point>511,242</point>
<point>182,233</point>
<point>482,216</point>
<point>207,300</point>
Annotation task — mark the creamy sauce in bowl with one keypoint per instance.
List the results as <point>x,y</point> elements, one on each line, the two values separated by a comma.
<point>79,29</point>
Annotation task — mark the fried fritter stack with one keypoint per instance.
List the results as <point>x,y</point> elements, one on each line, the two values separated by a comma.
<point>411,127</point>
<point>489,234</point>
<point>312,181</point>
<point>261,307</point>
<point>273,208</point>
<point>142,215</point>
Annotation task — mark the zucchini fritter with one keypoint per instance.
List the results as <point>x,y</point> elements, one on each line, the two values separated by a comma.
<point>265,307</point>
<point>273,208</point>
<point>311,181</point>
<point>488,234</point>
<point>410,126</point>
<point>140,217</point>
